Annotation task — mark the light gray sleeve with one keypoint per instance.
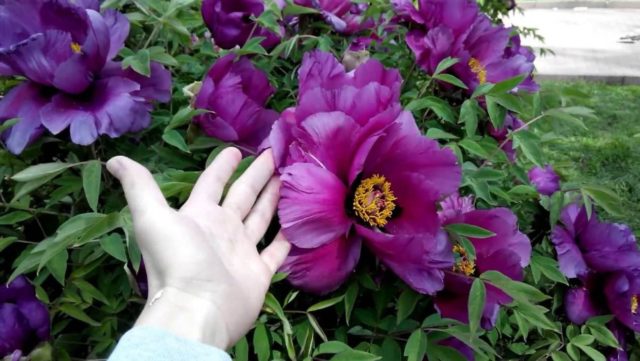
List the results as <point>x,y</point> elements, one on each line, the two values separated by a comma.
<point>150,344</point>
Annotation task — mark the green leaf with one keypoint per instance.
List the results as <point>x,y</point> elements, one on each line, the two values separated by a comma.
<point>140,62</point>
<point>114,245</point>
<point>435,133</point>
<point>183,117</point>
<point>58,266</point>
<point>261,344</point>
<point>416,346</point>
<point>496,112</point>
<point>517,290</point>
<point>445,64</point>
<point>90,290</point>
<point>556,204</point>
<point>593,354</point>
<point>549,267</point>
<point>272,303</point>
<point>25,188</point>
<point>469,116</point>
<point>529,143</point>
<point>406,304</point>
<point>78,314</point>
<point>481,90</point>
<point>6,242</point>
<point>252,46</point>
<point>603,335</point>
<point>331,347</point>
<point>316,326</point>
<point>439,106</point>
<point>91,178</point>
<point>605,198</point>
<point>174,138</point>
<point>350,300</point>
<point>583,339</point>
<point>293,9</point>
<point>448,78</point>
<point>469,230</point>
<point>241,350</point>
<point>40,171</point>
<point>507,85</point>
<point>355,355</point>
<point>325,304</point>
<point>8,124</point>
<point>559,356</point>
<point>476,304</point>
<point>474,148</point>
<point>14,217</point>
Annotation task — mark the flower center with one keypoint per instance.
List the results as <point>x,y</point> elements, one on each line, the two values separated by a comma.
<point>478,69</point>
<point>634,304</point>
<point>76,48</point>
<point>374,201</point>
<point>463,264</point>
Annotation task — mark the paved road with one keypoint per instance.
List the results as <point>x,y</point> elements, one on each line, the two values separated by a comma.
<point>589,43</point>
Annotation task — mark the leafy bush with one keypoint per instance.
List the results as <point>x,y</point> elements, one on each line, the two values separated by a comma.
<point>481,275</point>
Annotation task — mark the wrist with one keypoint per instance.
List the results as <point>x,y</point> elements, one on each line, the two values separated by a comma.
<point>185,315</point>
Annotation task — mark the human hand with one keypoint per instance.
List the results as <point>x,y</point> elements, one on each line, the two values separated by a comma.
<point>207,281</point>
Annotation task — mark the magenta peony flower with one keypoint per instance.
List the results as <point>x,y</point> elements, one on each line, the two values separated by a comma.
<point>622,291</point>
<point>546,180</point>
<point>580,306</point>
<point>235,92</point>
<point>72,81</point>
<point>230,22</point>
<point>585,245</point>
<point>508,252</point>
<point>457,28</point>
<point>24,320</point>
<point>356,170</point>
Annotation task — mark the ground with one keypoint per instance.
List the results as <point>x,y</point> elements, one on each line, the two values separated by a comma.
<point>608,153</point>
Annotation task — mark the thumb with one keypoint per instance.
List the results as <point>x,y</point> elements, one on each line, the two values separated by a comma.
<point>140,189</point>
<point>275,254</point>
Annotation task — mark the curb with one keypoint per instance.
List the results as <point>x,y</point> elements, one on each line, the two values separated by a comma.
<point>575,4</point>
<point>606,79</point>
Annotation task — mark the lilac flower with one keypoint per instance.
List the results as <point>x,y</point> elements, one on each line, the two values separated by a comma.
<point>235,92</point>
<point>72,81</point>
<point>356,170</point>
<point>457,28</point>
<point>585,244</point>
<point>546,180</point>
<point>508,252</point>
<point>24,320</point>
<point>580,305</point>
<point>230,22</point>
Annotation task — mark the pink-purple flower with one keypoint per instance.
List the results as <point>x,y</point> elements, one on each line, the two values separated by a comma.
<point>65,50</point>
<point>487,53</point>
<point>545,180</point>
<point>235,92</point>
<point>231,23</point>
<point>24,320</point>
<point>356,170</point>
<point>508,252</point>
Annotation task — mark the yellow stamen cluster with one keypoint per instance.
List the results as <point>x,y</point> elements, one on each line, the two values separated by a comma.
<point>374,201</point>
<point>478,69</point>
<point>634,304</point>
<point>464,265</point>
<point>76,48</point>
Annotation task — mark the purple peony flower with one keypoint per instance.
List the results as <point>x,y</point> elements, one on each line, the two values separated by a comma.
<point>230,22</point>
<point>72,81</point>
<point>344,16</point>
<point>580,305</point>
<point>508,252</point>
<point>235,92</point>
<point>619,332</point>
<point>356,170</point>
<point>546,180</point>
<point>511,123</point>
<point>24,320</point>
<point>585,244</point>
<point>622,291</point>
<point>457,28</point>
<point>460,347</point>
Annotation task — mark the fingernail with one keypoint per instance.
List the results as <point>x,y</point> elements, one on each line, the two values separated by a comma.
<point>114,165</point>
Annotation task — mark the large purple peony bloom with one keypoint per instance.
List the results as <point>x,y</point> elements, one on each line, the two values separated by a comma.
<point>65,50</point>
<point>580,305</point>
<point>508,252</point>
<point>585,244</point>
<point>230,22</point>
<point>546,180</point>
<point>24,320</point>
<point>356,170</point>
<point>622,291</point>
<point>457,28</point>
<point>235,92</point>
